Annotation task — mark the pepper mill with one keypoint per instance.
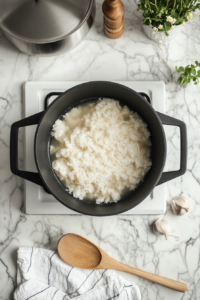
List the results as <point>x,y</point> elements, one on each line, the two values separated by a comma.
<point>113,11</point>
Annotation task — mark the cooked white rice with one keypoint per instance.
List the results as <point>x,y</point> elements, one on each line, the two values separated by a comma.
<point>104,149</point>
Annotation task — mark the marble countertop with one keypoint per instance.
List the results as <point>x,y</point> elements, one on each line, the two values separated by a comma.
<point>126,238</point>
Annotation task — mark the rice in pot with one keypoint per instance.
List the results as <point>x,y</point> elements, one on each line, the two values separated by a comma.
<point>103,149</point>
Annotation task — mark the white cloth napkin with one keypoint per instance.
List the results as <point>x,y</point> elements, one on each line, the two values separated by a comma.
<point>41,274</point>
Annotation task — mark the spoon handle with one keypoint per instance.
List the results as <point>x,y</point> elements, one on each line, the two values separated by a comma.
<point>172,284</point>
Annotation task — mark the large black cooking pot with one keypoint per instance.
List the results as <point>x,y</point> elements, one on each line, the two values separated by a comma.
<point>46,177</point>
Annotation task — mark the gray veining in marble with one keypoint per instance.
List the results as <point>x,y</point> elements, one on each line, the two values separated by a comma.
<point>127,238</point>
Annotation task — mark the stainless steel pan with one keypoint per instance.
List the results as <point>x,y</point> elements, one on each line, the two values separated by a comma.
<point>46,27</point>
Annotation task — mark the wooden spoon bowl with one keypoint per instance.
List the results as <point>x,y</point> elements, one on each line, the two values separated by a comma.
<point>81,253</point>
<point>77,252</point>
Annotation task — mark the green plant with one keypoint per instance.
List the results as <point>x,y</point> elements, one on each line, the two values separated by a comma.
<point>189,73</point>
<point>164,15</point>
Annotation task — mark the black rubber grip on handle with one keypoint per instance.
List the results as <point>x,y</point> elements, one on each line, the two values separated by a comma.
<point>31,176</point>
<point>166,120</point>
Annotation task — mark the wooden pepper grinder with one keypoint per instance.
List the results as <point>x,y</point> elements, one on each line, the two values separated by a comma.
<point>113,11</point>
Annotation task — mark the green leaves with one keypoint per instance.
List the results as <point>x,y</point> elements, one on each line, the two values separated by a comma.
<point>155,12</point>
<point>167,26</point>
<point>179,21</point>
<point>147,21</point>
<point>181,69</point>
<point>194,72</point>
<point>174,15</point>
<point>188,73</point>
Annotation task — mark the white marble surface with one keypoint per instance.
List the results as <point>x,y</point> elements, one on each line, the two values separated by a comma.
<point>128,239</point>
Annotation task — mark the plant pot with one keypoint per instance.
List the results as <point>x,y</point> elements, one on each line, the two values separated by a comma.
<point>160,36</point>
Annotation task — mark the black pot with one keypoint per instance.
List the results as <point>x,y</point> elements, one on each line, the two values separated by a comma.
<point>46,176</point>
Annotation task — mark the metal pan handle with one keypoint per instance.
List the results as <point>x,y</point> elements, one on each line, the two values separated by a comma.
<point>166,120</point>
<point>31,176</point>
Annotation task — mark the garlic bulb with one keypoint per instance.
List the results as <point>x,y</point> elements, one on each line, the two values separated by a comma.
<point>162,227</point>
<point>180,205</point>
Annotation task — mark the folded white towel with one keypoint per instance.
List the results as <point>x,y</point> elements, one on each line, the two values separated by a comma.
<point>41,274</point>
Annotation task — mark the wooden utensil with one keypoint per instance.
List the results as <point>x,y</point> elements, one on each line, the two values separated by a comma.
<point>113,11</point>
<point>81,253</point>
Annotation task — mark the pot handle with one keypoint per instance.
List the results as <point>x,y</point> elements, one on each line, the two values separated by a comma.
<point>31,176</point>
<point>166,120</point>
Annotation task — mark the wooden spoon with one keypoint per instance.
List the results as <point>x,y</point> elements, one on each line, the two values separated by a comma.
<point>81,253</point>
